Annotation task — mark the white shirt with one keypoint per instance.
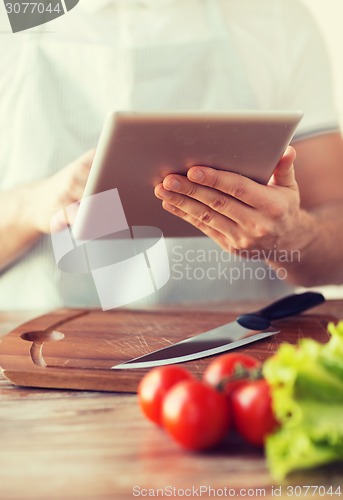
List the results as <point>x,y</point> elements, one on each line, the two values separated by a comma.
<point>58,82</point>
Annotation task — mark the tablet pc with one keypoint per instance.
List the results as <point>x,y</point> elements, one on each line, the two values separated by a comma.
<point>137,150</point>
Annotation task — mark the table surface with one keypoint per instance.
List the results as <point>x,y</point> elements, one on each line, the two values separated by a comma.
<point>92,445</point>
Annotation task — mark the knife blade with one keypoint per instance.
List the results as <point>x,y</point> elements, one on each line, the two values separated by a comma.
<point>245,329</point>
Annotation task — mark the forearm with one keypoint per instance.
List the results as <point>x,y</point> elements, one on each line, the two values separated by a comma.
<point>17,231</point>
<point>317,256</point>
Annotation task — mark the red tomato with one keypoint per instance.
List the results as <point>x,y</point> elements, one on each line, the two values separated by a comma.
<point>195,415</point>
<point>252,411</point>
<point>154,386</point>
<point>227,366</point>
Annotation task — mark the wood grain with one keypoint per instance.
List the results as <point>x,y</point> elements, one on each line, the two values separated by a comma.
<point>75,349</point>
<point>77,445</point>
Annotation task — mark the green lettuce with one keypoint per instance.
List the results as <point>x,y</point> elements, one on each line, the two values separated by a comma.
<point>307,393</point>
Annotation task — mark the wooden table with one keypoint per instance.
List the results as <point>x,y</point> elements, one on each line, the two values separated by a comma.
<point>90,445</point>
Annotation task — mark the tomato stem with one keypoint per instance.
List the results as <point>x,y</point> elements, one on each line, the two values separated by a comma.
<point>240,373</point>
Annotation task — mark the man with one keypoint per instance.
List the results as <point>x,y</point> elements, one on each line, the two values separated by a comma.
<point>58,83</point>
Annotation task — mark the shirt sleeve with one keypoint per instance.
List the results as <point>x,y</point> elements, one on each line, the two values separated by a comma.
<point>308,80</point>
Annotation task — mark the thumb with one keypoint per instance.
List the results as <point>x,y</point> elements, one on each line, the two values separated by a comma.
<point>284,174</point>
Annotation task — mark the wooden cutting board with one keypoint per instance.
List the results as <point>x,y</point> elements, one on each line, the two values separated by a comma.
<point>74,348</point>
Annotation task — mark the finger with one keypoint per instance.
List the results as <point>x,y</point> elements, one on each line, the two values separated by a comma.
<point>87,158</point>
<point>217,236</point>
<point>250,192</point>
<point>284,174</point>
<point>219,202</point>
<point>81,166</point>
<point>74,188</point>
<point>71,212</point>
<point>76,175</point>
<point>58,222</point>
<point>198,211</point>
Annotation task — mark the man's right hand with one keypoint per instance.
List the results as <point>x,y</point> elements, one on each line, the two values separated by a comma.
<point>51,195</point>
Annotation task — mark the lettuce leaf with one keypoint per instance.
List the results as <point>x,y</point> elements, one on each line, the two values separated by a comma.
<point>307,393</point>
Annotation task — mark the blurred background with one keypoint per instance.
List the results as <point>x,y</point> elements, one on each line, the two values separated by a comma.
<point>329,15</point>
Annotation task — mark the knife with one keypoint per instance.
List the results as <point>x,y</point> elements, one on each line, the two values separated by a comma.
<point>245,329</point>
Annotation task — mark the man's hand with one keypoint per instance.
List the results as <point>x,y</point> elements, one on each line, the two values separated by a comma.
<point>27,209</point>
<point>238,213</point>
<point>58,191</point>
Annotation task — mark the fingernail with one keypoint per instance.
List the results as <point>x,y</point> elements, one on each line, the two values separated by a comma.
<point>173,184</point>
<point>196,175</point>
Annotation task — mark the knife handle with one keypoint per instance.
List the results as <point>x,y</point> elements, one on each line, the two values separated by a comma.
<point>283,308</point>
